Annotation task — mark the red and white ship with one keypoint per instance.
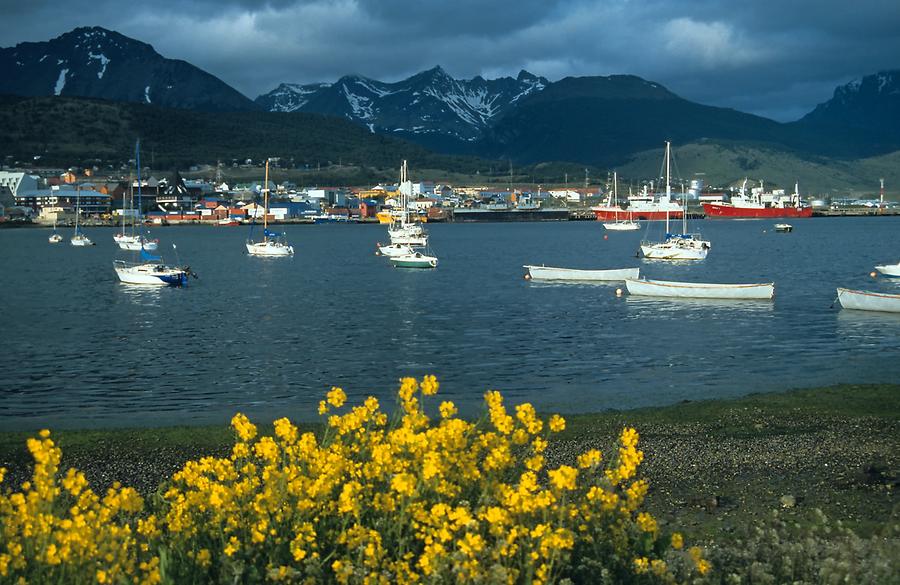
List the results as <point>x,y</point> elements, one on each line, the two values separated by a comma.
<point>760,204</point>
<point>643,206</point>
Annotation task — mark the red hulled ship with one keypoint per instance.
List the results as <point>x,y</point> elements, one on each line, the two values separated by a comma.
<point>759,204</point>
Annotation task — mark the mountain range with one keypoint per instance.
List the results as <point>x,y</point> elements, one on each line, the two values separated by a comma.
<point>98,63</point>
<point>602,121</point>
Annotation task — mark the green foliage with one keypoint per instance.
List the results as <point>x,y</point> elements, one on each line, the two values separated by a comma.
<point>819,552</point>
<point>64,130</point>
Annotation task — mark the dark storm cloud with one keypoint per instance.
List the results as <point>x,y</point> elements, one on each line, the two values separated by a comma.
<point>774,58</point>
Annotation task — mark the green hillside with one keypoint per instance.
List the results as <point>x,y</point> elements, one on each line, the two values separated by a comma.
<point>722,163</point>
<point>67,131</point>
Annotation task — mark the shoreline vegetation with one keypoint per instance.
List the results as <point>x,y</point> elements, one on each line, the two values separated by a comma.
<point>734,475</point>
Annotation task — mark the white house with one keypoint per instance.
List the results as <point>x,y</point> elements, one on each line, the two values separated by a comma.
<point>567,194</point>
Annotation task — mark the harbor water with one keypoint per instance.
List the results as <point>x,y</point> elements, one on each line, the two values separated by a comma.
<point>269,336</point>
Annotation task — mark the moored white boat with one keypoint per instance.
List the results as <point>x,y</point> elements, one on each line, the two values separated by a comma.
<point>270,248</point>
<point>862,300</point>
<point>272,244</point>
<point>683,246</point>
<point>783,227</point>
<point>676,247</point>
<point>80,240</point>
<point>622,226</point>
<point>889,269</point>
<point>391,250</point>
<point>55,238</point>
<point>135,242</point>
<point>414,260</point>
<point>552,273</point>
<point>150,274</point>
<point>625,225</point>
<point>700,290</point>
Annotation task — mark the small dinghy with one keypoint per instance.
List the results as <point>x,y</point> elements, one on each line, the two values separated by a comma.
<point>862,300</point>
<point>783,227</point>
<point>700,290</point>
<point>551,273</point>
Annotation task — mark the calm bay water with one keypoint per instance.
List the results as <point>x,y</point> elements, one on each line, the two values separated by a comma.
<point>269,336</point>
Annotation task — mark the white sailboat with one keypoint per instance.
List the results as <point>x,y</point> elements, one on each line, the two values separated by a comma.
<point>620,225</point>
<point>78,239</point>
<point>55,237</point>
<point>403,230</point>
<point>147,269</point>
<point>683,246</point>
<point>406,234</point>
<point>272,244</point>
<point>134,241</point>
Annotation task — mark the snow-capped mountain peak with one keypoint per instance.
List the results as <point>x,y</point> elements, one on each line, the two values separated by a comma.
<point>430,102</point>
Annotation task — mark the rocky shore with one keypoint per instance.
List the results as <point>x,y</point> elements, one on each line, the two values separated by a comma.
<point>713,466</point>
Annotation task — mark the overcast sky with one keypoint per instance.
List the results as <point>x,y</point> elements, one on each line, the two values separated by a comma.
<point>775,58</point>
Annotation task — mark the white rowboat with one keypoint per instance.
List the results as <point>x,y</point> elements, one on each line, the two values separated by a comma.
<point>551,273</point>
<point>700,290</point>
<point>889,269</point>
<point>868,301</point>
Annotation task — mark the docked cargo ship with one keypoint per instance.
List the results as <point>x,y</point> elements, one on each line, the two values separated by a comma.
<point>760,204</point>
<point>643,206</point>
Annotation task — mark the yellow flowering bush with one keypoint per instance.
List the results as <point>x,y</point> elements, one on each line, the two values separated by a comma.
<point>56,530</point>
<point>371,499</point>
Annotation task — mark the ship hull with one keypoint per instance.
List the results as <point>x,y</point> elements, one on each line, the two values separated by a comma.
<point>510,215</point>
<point>718,210</point>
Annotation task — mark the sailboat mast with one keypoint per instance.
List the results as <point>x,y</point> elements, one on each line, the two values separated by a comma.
<point>266,205</point>
<point>77,206</point>
<point>616,194</point>
<point>137,158</point>
<point>668,188</point>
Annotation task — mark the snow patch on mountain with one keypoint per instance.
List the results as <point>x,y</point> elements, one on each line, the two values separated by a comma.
<point>147,94</point>
<point>104,61</point>
<point>60,82</point>
<point>361,105</point>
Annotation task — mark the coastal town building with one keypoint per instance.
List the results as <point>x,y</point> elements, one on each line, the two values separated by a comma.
<point>67,197</point>
<point>18,181</point>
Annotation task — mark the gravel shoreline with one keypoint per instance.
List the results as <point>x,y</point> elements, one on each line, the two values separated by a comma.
<point>711,475</point>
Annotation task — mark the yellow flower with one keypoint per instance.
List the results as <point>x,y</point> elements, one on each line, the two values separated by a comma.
<point>564,477</point>
<point>336,397</point>
<point>429,385</point>
<point>646,522</point>
<point>677,540</point>
<point>557,423</point>
<point>589,459</point>
<point>448,410</point>
<point>243,427</point>
<point>703,566</point>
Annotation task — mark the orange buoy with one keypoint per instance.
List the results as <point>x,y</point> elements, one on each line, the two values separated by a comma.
<point>873,274</point>
<point>527,276</point>
<point>605,236</point>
